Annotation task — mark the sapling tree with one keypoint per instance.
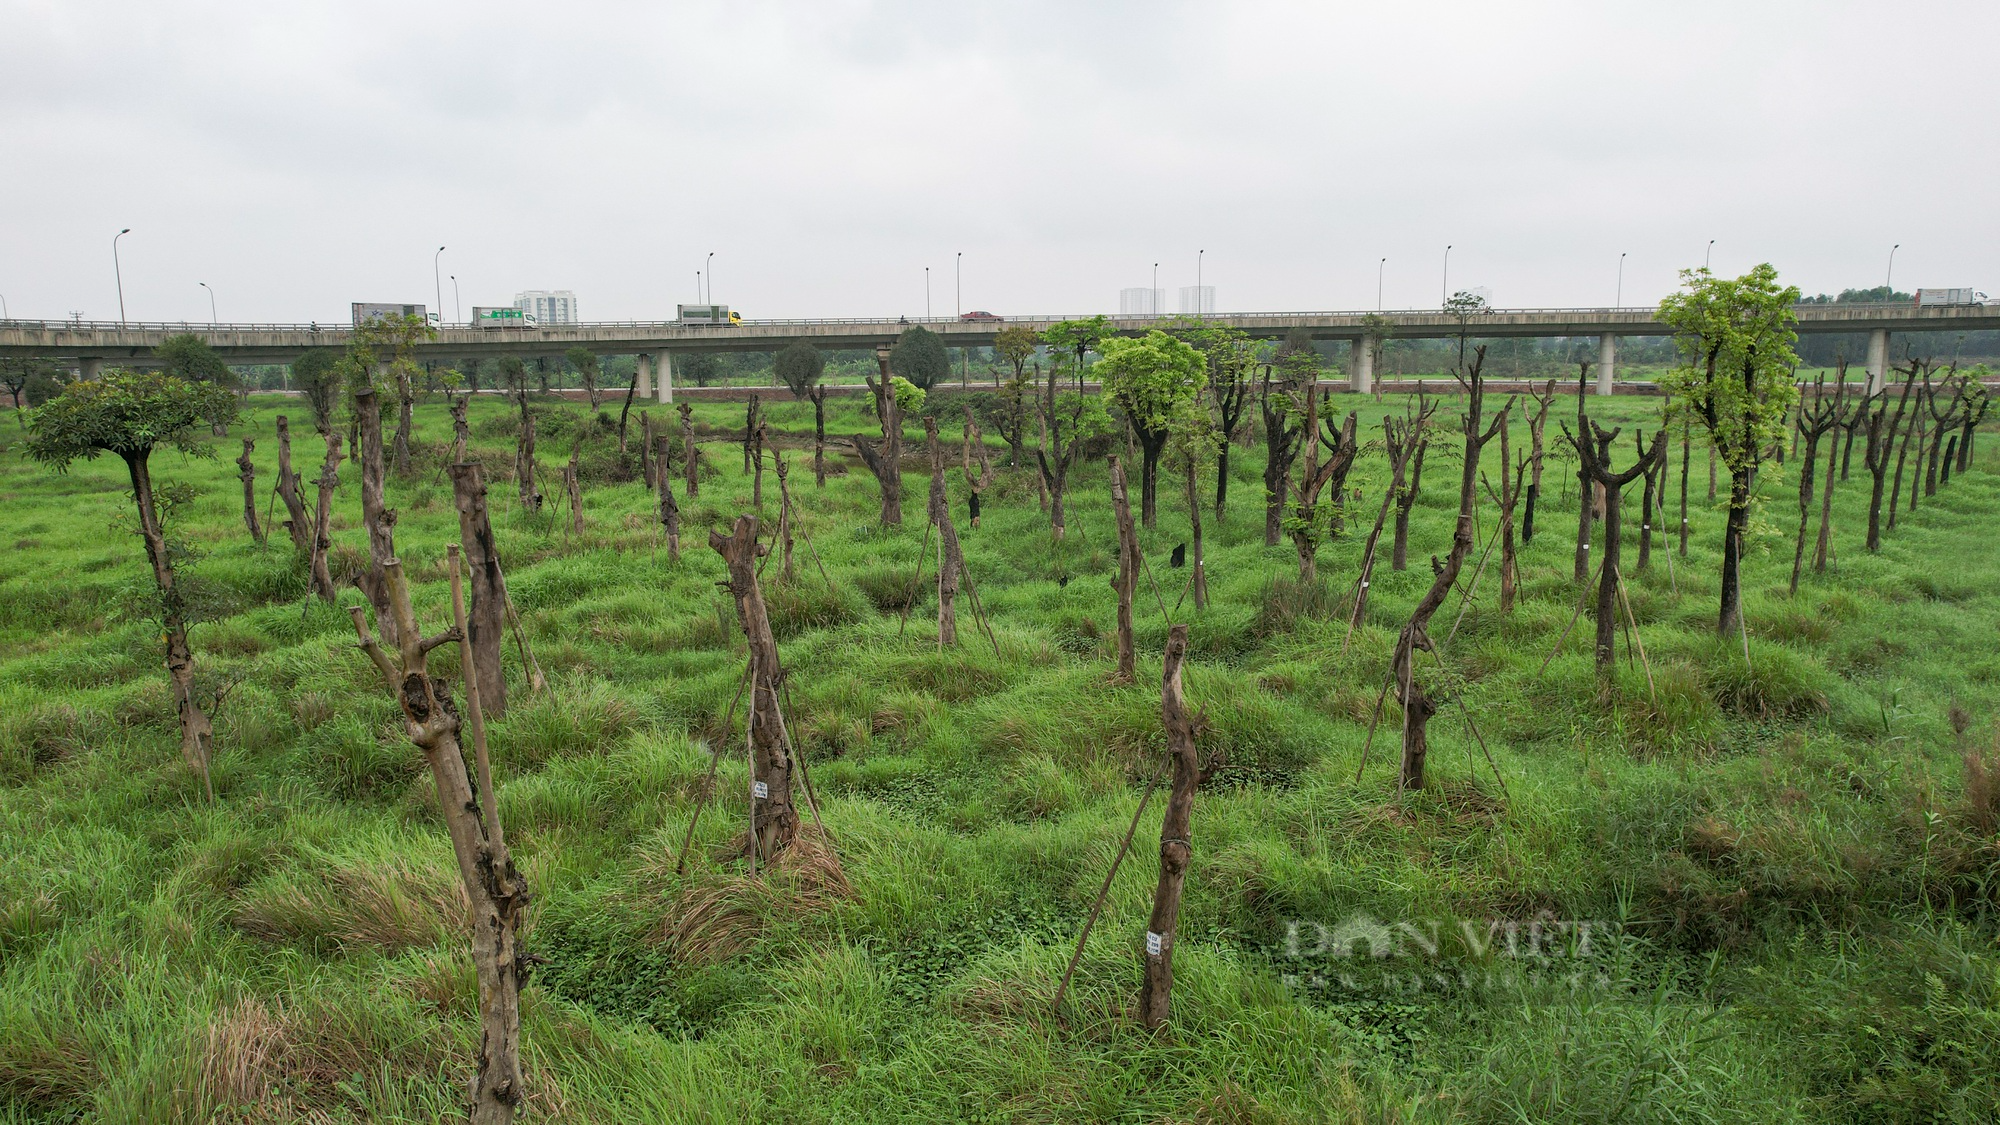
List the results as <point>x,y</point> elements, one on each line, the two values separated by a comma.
<point>384,351</point>
<point>1976,401</point>
<point>189,358</point>
<point>1075,339</point>
<point>1735,338</point>
<point>297,524</point>
<point>1126,582</point>
<point>972,450</point>
<point>818,397</point>
<point>799,366</point>
<point>1399,440</point>
<point>496,893</point>
<point>1593,448</point>
<point>1815,419</point>
<point>129,414</point>
<point>774,820</point>
<point>1339,446</point>
<point>1881,430</point>
<point>1943,422</point>
<point>1543,399</point>
<point>1413,479</point>
<point>1230,357</point>
<point>486,626</point>
<point>1156,380</point>
<point>1068,420</point>
<point>951,560</point>
<point>1411,691</point>
<point>919,357</point>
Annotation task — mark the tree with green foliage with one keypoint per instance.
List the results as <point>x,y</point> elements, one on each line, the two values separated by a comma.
<point>699,368</point>
<point>1230,356</point>
<point>1157,381</point>
<point>1735,338</point>
<point>799,366</point>
<point>919,356</point>
<point>1076,338</point>
<point>1016,344</point>
<point>1068,421</point>
<point>21,376</point>
<point>129,414</point>
<point>189,358</point>
<point>587,368</point>
<point>317,375</point>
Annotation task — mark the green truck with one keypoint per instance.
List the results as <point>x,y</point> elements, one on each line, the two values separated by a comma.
<point>504,317</point>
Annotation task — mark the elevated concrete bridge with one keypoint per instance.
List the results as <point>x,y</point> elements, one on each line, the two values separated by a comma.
<point>92,344</point>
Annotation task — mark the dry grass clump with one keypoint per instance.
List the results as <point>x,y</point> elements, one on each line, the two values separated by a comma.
<point>715,918</point>
<point>389,905</point>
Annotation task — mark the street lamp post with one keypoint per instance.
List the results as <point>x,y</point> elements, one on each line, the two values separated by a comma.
<point>4,314</point>
<point>213,320</point>
<point>958,283</point>
<point>1620,303</point>
<point>1444,284</point>
<point>1886,278</point>
<point>1379,267</point>
<point>697,285</point>
<point>1198,302</point>
<point>709,265</point>
<point>435,283</point>
<point>457,310</point>
<point>1153,294</point>
<point>1708,254</point>
<point>927,292</point>
<point>119,274</point>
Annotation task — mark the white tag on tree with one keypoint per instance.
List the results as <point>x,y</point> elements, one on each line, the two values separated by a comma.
<point>1155,943</point>
<point>760,790</point>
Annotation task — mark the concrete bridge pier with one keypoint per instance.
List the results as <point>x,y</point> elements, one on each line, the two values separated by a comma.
<point>1878,358</point>
<point>663,365</point>
<point>1361,367</point>
<point>643,379</point>
<point>89,367</point>
<point>1607,362</point>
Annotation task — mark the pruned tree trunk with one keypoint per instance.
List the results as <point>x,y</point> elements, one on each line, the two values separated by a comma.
<point>496,894</point>
<point>197,735</point>
<point>1814,422</point>
<point>648,466</point>
<point>406,399</point>
<point>753,417</point>
<point>486,625</point>
<point>1399,554</point>
<point>1127,581</point>
<point>247,471</point>
<point>774,820</point>
<point>461,430</point>
<point>1176,842</point>
<point>1593,449</point>
<point>690,453</point>
<point>973,450</point>
<point>1282,429</point>
<point>785,513</point>
<point>887,461</point>
<point>757,460</point>
<point>1656,468</point>
<point>1735,530</point>
<point>573,485</point>
<point>1418,706</point>
<point>950,560</point>
<point>297,524</point>
<point>524,461</point>
<point>1199,577</point>
<point>670,512</point>
<point>379,519</point>
<point>1687,443</point>
<point>1340,447</point>
<point>1820,549</point>
<point>1398,439</point>
<point>1543,401</point>
<point>819,436</point>
<point>322,526</point>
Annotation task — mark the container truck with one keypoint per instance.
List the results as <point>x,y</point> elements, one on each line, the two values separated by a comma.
<point>718,315</point>
<point>503,317</point>
<point>1931,297</point>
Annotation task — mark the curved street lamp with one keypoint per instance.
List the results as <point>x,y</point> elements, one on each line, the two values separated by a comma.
<point>119,273</point>
<point>1621,280</point>
<point>1379,266</point>
<point>1892,273</point>
<point>1444,283</point>
<point>709,267</point>
<point>436,284</point>
<point>212,318</point>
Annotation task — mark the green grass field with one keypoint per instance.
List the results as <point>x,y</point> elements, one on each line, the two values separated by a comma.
<point>1757,893</point>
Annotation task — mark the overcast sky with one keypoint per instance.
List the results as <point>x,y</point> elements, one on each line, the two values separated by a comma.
<point>297,156</point>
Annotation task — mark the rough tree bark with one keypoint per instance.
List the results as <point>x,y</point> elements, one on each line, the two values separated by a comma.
<point>486,626</point>
<point>1399,552</point>
<point>297,524</point>
<point>1199,578</point>
<point>573,485</point>
<point>247,471</point>
<point>1127,581</point>
<point>1593,450</point>
<point>690,453</point>
<point>1544,398</point>
<point>1943,422</point>
<point>950,560</point>
<point>1655,471</point>
<point>1418,706</point>
<point>784,513</point>
<point>197,735</point>
<point>1176,832</point>
<point>1975,413</point>
<point>819,436</point>
<point>461,430</point>
<point>1586,489</point>
<point>322,526</point>
<point>670,512</point>
<point>647,467</point>
<point>378,518</point>
<point>1814,421</point>
<point>1315,475</point>
<point>1881,429</point>
<point>524,460</point>
<point>886,462</point>
<point>1283,428</point>
<point>1913,433</point>
<point>753,417</point>
<point>774,820</point>
<point>495,892</point>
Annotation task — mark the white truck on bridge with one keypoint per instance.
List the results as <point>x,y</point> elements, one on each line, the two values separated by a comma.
<point>504,316</point>
<point>1927,298</point>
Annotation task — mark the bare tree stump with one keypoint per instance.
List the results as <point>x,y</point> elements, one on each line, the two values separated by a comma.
<point>486,627</point>
<point>247,471</point>
<point>670,512</point>
<point>819,436</point>
<point>297,524</point>
<point>1176,845</point>
<point>950,560</point>
<point>886,462</point>
<point>322,526</point>
<point>379,519</point>
<point>1127,582</point>
<point>690,454</point>
<point>774,820</point>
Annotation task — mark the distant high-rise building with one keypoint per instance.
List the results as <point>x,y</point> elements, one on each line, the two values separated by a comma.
<point>1141,302</point>
<point>550,306</point>
<point>1198,299</point>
